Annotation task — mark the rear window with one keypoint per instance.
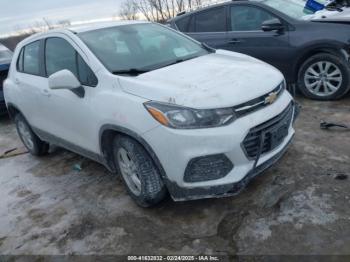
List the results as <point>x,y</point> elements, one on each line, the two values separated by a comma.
<point>183,24</point>
<point>28,60</point>
<point>213,20</point>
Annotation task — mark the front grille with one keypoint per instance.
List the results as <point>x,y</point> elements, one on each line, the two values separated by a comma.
<point>258,103</point>
<point>251,143</point>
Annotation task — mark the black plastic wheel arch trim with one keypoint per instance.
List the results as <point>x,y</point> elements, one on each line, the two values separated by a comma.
<point>138,138</point>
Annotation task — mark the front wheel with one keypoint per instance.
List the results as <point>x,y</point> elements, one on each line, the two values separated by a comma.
<point>139,173</point>
<point>324,77</point>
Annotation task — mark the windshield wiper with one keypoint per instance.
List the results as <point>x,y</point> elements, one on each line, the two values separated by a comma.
<point>208,48</point>
<point>131,71</point>
<point>178,61</point>
<point>334,8</point>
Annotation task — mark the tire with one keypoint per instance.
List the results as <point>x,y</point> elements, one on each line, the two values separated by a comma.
<point>131,158</point>
<point>324,77</point>
<point>30,140</point>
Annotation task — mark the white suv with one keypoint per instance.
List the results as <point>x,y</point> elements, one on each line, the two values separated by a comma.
<point>167,113</point>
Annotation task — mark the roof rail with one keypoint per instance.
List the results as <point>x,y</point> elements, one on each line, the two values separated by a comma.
<point>181,13</point>
<point>207,4</point>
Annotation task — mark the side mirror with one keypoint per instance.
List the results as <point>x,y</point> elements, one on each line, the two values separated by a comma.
<point>63,79</point>
<point>272,25</point>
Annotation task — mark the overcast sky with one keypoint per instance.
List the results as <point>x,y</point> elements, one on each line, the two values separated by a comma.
<point>21,14</point>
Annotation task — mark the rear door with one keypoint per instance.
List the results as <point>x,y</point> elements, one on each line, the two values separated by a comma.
<point>208,26</point>
<point>246,36</point>
<point>28,80</point>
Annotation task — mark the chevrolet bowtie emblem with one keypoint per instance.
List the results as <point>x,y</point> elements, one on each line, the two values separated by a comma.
<point>271,98</point>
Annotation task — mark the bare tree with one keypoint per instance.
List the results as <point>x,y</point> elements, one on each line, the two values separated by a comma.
<point>129,10</point>
<point>156,10</point>
<point>42,26</point>
<point>48,23</point>
<point>64,23</point>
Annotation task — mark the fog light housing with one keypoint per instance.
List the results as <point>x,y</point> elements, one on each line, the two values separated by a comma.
<point>207,168</point>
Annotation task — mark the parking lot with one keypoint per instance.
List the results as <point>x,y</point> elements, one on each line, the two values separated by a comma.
<point>300,206</point>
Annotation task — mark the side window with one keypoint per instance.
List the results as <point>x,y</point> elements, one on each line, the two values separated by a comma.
<point>211,21</point>
<point>248,18</point>
<point>31,58</point>
<point>86,76</point>
<point>20,61</point>
<point>59,55</point>
<point>183,24</point>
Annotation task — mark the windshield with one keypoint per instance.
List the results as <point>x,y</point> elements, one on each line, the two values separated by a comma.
<point>140,48</point>
<point>294,8</point>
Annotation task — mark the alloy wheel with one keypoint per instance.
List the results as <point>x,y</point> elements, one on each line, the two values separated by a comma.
<point>129,171</point>
<point>323,78</point>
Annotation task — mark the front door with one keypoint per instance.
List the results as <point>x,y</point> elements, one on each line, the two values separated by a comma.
<point>67,114</point>
<point>246,36</point>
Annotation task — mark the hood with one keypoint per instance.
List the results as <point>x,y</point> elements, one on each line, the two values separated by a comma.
<point>331,16</point>
<point>217,80</point>
<point>334,20</point>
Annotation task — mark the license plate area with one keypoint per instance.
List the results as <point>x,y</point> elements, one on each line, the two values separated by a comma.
<point>278,134</point>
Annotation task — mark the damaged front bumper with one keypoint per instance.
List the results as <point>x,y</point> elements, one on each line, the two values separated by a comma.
<point>182,194</point>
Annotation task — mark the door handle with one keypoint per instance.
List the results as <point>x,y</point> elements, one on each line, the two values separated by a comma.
<point>235,41</point>
<point>46,92</point>
<point>17,82</point>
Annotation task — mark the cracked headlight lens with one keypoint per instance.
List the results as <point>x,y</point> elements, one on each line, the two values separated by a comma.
<point>179,117</point>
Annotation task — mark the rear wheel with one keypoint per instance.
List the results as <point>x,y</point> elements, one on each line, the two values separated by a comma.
<point>138,172</point>
<point>324,77</point>
<point>30,140</point>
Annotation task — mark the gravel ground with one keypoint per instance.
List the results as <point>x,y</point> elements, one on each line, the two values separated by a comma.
<point>300,206</point>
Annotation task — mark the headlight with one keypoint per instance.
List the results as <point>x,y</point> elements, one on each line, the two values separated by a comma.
<point>188,118</point>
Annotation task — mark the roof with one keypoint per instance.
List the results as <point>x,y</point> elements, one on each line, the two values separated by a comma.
<point>209,6</point>
<point>79,29</point>
<point>100,25</point>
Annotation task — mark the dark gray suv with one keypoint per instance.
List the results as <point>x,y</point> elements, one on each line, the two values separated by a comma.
<point>314,54</point>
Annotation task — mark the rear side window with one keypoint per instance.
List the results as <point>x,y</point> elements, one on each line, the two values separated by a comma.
<point>59,55</point>
<point>30,55</point>
<point>213,20</point>
<point>20,61</point>
<point>248,18</point>
<point>183,24</point>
